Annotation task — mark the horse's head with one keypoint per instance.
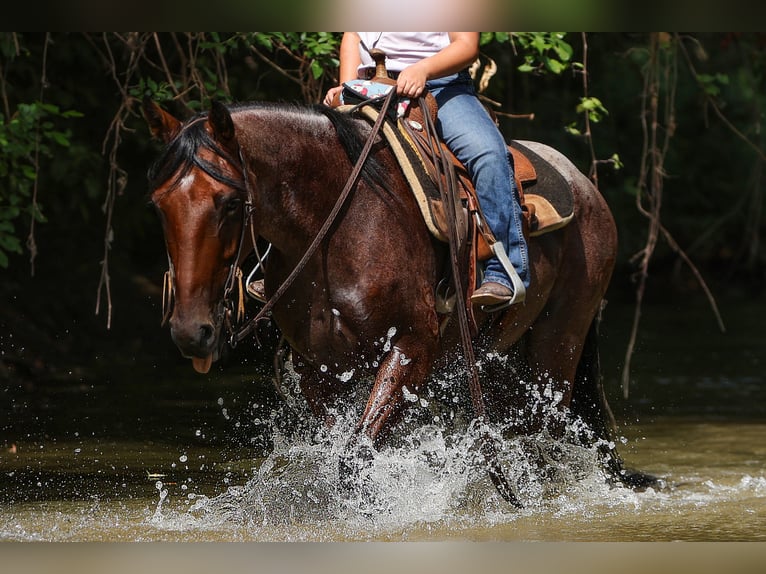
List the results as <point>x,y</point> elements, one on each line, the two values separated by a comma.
<point>198,188</point>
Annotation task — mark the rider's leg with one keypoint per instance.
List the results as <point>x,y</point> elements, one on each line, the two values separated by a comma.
<point>474,138</point>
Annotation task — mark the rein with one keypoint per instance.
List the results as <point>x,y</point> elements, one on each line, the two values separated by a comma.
<point>248,327</point>
<point>477,396</point>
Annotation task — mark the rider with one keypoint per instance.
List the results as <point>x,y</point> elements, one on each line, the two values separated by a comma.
<point>438,62</point>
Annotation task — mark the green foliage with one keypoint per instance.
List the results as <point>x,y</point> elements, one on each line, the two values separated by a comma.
<point>712,83</point>
<point>306,58</point>
<point>593,107</point>
<point>158,91</point>
<point>30,134</point>
<point>544,51</point>
<point>541,51</point>
<point>319,49</point>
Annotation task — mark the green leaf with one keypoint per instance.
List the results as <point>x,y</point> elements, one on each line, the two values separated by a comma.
<point>554,66</point>
<point>316,69</point>
<point>60,138</point>
<point>29,171</point>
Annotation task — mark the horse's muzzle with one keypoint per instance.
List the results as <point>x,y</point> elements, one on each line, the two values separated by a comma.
<point>196,340</point>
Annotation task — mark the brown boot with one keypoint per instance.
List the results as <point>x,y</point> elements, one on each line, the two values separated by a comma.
<point>491,294</point>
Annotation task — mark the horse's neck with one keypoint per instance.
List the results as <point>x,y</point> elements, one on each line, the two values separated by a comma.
<point>287,145</point>
<point>294,168</point>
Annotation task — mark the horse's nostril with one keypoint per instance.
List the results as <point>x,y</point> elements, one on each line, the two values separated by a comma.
<point>206,333</point>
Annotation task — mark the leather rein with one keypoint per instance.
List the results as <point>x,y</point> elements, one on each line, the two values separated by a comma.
<point>447,187</point>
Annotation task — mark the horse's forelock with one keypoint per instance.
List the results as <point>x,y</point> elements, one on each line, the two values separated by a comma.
<point>182,154</point>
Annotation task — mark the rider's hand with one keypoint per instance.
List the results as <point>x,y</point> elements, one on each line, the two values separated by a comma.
<point>412,81</point>
<point>332,94</point>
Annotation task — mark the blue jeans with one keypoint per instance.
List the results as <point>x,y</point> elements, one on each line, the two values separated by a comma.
<point>471,134</point>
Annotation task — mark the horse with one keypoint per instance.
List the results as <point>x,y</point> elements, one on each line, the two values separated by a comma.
<point>363,307</point>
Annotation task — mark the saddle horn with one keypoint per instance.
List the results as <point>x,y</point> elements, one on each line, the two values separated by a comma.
<point>381,73</point>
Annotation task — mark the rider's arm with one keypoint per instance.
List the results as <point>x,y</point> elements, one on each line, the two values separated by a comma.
<point>350,60</point>
<point>460,53</point>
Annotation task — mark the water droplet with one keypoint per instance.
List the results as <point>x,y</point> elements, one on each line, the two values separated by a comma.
<point>408,396</point>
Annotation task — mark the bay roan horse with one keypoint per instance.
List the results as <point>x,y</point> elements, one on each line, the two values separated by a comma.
<point>363,307</point>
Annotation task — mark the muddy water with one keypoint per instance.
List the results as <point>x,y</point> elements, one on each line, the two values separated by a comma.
<point>223,462</point>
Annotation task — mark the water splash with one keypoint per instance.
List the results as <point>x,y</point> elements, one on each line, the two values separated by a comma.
<point>433,476</point>
<point>433,482</point>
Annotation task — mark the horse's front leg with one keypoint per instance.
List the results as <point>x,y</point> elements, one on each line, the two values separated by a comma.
<point>402,373</point>
<point>321,391</point>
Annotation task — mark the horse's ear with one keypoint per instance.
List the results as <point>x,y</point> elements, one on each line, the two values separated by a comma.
<point>221,122</point>
<point>162,125</point>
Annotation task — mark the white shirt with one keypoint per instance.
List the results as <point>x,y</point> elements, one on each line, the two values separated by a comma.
<point>402,49</point>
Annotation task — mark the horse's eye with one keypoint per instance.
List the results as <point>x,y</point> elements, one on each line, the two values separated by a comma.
<point>232,206</point>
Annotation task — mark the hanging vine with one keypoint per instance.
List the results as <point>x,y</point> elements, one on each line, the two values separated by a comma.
<point>658,122</point>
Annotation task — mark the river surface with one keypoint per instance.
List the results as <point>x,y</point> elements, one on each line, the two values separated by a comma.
<point>158,453</point>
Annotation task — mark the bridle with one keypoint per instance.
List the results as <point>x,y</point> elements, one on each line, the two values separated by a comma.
<point>232,306</point>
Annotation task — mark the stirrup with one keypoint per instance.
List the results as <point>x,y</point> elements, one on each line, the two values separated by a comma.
<point>445,297</point>
<point>519,291</point>
<point>499,307</point>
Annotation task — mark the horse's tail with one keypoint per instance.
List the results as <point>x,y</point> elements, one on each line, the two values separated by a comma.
<point>590,404</point>
<point>589,401</point>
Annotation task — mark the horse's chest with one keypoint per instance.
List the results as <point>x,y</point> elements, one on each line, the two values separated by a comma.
<point>331,337</point>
